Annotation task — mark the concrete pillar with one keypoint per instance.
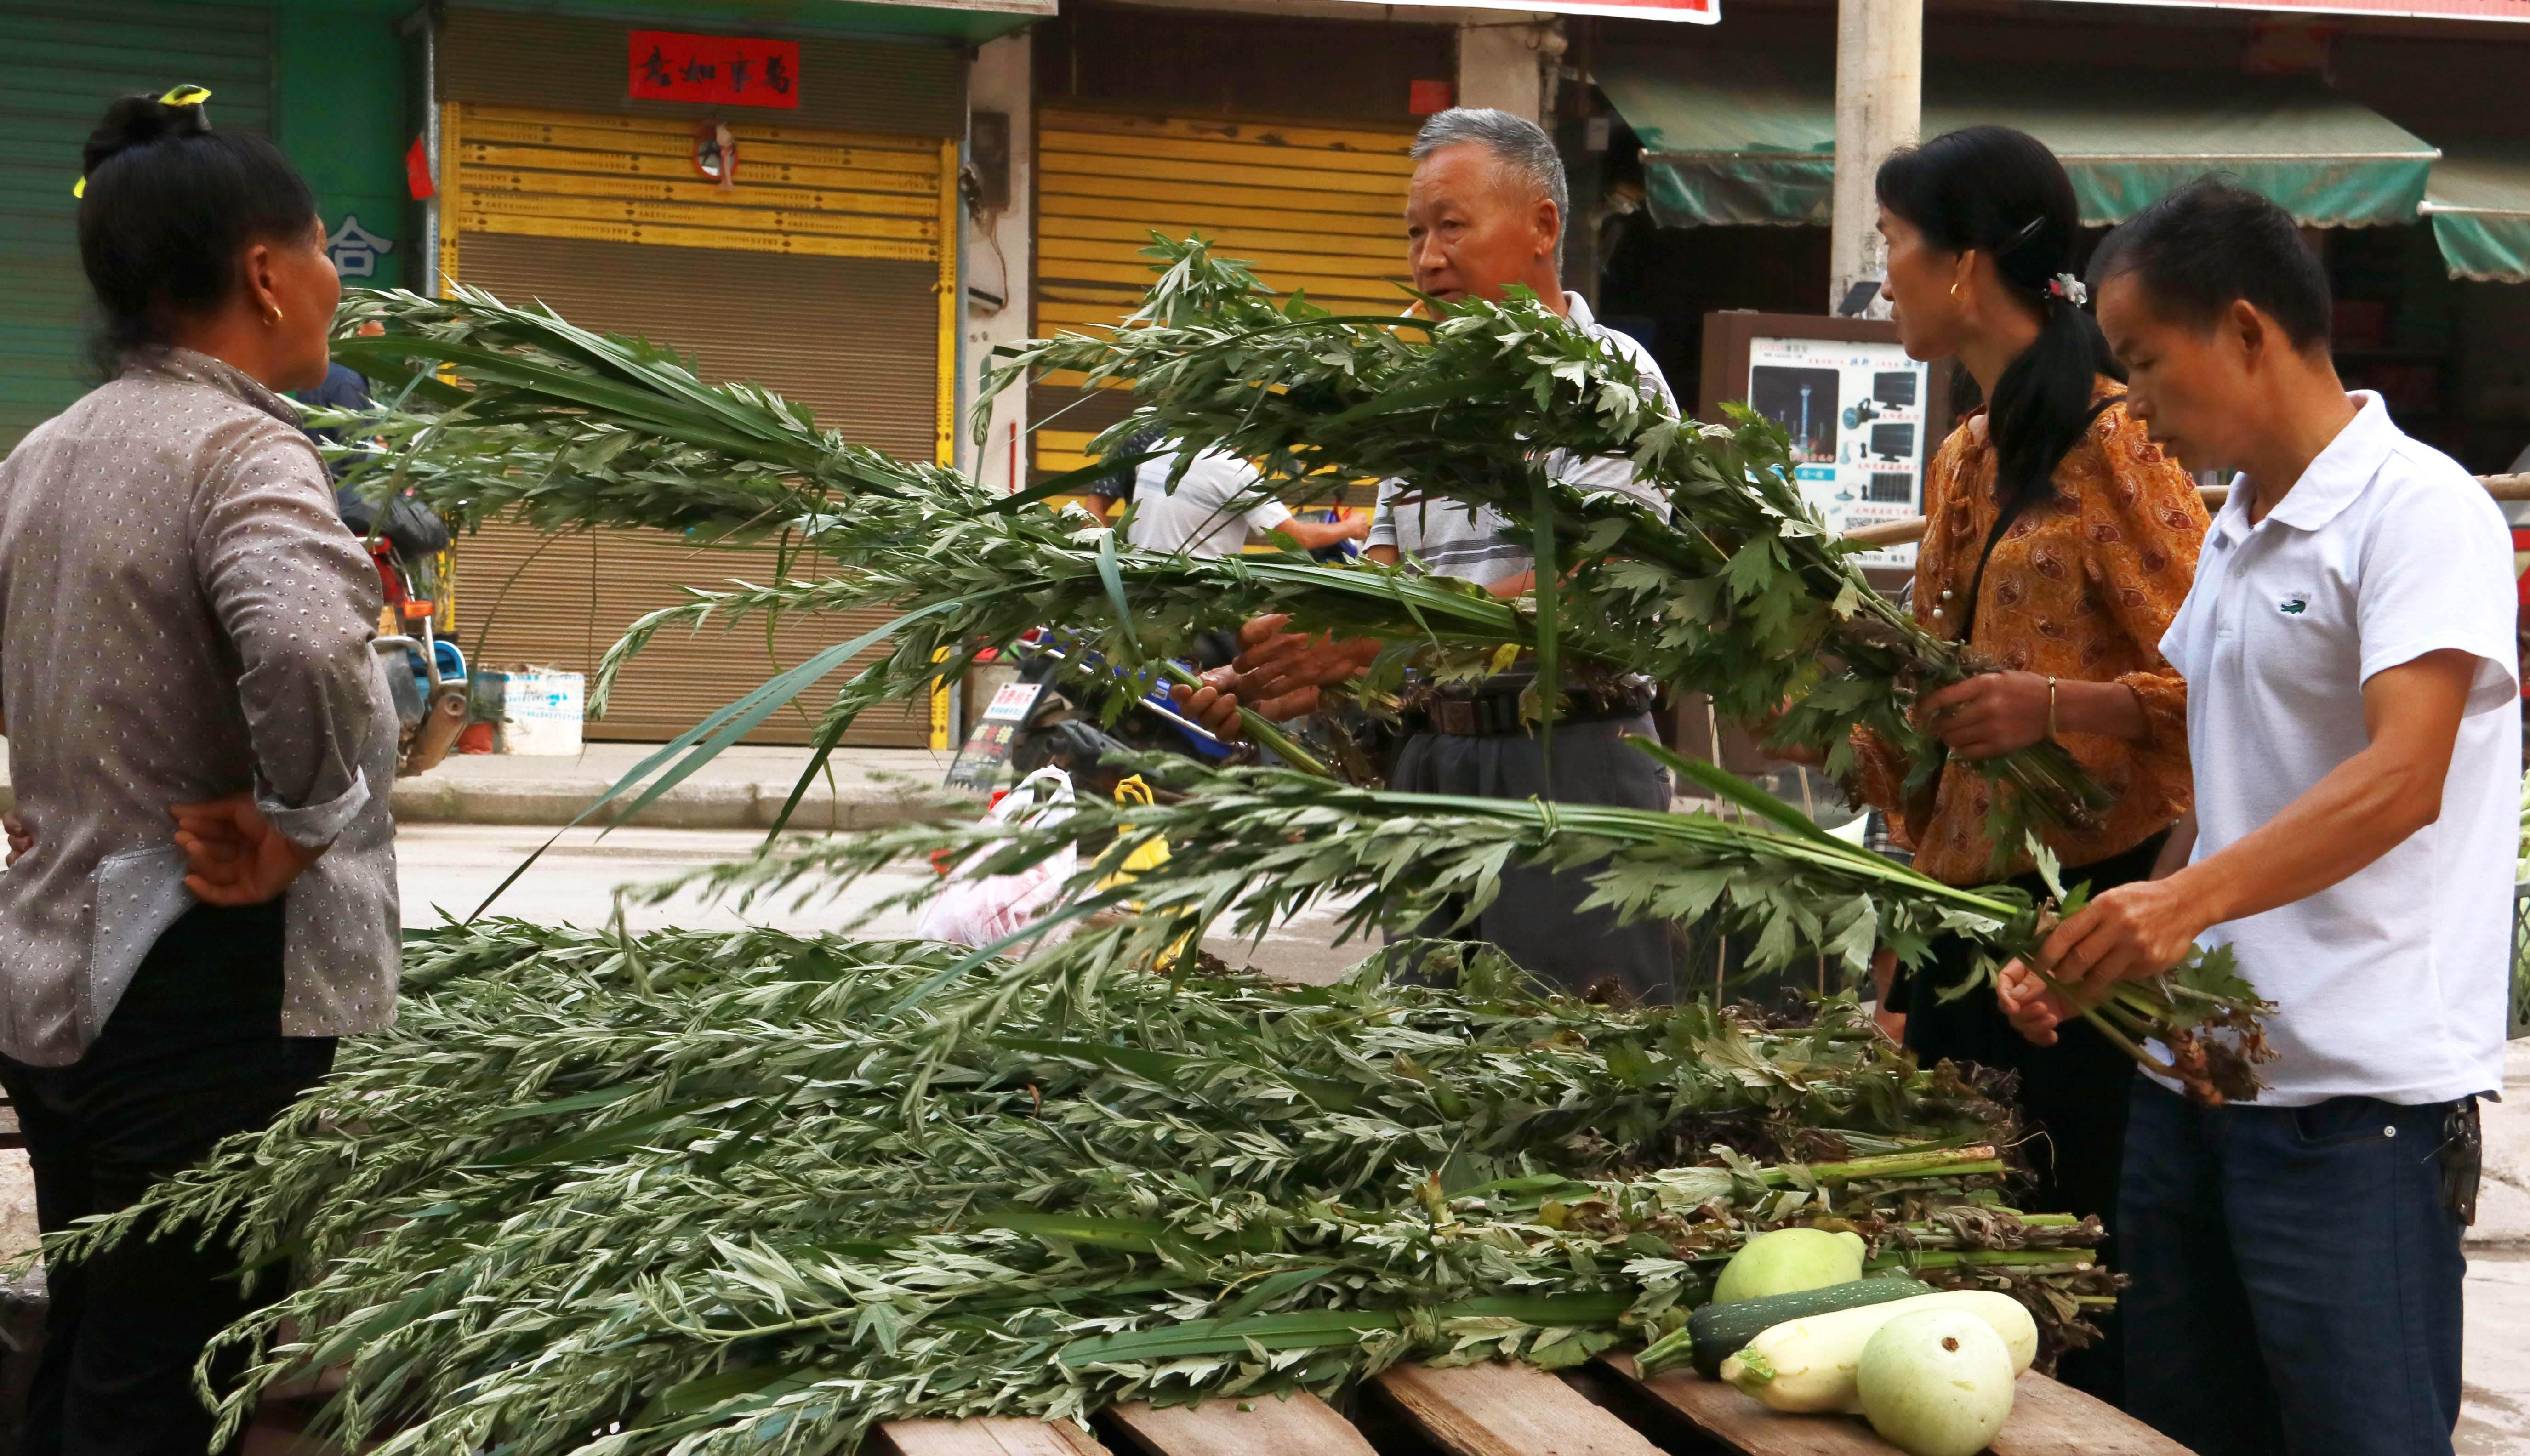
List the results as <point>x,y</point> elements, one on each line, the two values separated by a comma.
<point>1879,108</point>
<point>997,264</point>
<point>1511,67</point>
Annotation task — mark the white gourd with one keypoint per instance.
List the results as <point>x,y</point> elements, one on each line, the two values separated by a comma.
<point>1936,1382</point>
<point>1808,1364</point>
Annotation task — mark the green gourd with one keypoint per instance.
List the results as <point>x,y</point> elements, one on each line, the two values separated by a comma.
<point>1789,1259</point>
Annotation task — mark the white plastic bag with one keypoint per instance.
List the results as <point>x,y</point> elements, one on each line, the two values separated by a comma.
<point>973,909</point>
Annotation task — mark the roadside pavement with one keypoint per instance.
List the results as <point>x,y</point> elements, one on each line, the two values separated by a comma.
<point>744,788</point>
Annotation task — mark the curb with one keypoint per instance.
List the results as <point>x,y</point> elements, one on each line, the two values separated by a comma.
<point>691,806</point>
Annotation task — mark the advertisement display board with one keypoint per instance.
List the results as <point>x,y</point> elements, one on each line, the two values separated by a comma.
<point>1865,419</point>
<point>1855,410</point>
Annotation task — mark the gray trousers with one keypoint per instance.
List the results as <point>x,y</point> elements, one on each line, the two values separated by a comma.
<point>1537,919</point>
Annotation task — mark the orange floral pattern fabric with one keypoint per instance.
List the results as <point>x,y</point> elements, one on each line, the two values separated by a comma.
<point>2081,589</point>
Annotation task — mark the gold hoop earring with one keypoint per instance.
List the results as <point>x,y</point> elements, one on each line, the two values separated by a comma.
<point>272,318</point>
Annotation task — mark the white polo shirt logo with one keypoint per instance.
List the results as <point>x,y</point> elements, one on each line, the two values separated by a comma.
<point>2393,982</point>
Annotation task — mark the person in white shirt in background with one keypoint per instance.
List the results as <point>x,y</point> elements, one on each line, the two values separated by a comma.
<point>2354,720</point>
<point>1213,509</point>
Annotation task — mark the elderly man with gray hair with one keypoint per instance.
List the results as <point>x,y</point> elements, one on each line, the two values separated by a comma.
<point>1485,212</point>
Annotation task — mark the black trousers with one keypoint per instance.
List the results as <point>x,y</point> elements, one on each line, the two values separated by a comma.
<point>2073,1094</point>
<point>1537,919</point>
<point>192,1052</point>
<point>2298,1276</point>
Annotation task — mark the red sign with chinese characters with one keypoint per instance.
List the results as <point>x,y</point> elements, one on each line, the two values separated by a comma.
<point>715,69</point>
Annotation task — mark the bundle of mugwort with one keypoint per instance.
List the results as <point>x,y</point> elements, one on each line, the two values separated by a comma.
<point>749,1192</point>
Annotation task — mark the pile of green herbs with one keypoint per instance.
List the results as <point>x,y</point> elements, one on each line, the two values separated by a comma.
<point>678,1194</point>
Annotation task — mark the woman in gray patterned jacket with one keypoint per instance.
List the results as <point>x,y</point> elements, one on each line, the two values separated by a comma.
<point>200,893</point>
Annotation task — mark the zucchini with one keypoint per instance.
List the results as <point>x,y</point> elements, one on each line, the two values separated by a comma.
<point>1721,1331</point>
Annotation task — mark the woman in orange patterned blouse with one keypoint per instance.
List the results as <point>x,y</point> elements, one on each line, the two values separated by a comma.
<point>2060,543</point>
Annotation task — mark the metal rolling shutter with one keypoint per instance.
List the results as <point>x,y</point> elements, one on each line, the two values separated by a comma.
<point>1314,208</point>
<point>819,277</point>
<point>60,63</point>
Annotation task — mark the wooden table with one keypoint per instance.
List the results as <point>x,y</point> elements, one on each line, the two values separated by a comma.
<point>1606,1409</point>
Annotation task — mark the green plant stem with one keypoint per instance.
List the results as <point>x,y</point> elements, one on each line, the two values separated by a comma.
<point>1259,728</point>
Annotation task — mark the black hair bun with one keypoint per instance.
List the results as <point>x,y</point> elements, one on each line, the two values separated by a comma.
<point>138,120</point>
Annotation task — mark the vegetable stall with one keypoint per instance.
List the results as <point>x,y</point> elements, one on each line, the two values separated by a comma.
<point>617,1195</point>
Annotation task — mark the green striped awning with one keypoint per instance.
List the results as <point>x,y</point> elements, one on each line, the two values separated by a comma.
<point>1738,138</point>
<point>2479,202</point>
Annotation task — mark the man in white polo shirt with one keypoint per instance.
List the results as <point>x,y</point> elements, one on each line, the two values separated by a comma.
<point>2355,726</point>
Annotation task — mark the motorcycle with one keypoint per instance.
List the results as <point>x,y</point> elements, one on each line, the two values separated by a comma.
<point>426,676</point>
<point>1075,720</point>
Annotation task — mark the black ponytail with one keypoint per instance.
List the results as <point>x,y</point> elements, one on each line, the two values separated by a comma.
<point>2003,193</point>
<point>166,206</point>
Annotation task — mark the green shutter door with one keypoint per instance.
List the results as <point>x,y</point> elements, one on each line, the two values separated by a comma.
<point>60,63</point>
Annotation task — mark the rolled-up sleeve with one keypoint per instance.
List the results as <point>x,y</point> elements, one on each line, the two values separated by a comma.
<point>299,601</point>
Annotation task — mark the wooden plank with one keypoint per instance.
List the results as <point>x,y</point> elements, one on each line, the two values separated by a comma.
<point>2047,1420</point>
<point>985,1435</point>
<point>1302,1425</point>
<point>1507,1410</point>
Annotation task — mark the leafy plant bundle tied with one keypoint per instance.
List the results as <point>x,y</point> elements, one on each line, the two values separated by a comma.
<point>1733,587</point>
<point>609,1196</point>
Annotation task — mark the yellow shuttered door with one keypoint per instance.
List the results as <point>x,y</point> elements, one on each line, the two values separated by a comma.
<point>821,275</point>
<point>1314,207</point>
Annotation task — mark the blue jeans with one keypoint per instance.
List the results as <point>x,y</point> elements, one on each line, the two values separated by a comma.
<point>2296,1277</point>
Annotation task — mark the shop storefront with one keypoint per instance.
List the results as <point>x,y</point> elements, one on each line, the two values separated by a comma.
<point>320,76</point>
<point>2390,139</point>
<point>1283,141</point>
<point>782,208</point>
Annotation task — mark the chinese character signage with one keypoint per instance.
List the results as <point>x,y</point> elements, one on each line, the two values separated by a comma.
<point>355,249</point>
<point>715,69</point>
<point>1856,415</point>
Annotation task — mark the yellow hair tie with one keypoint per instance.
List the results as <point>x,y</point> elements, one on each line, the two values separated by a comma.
<point>188,94</point>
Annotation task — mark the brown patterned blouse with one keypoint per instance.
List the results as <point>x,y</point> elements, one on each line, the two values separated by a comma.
<point>2082,589</point>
